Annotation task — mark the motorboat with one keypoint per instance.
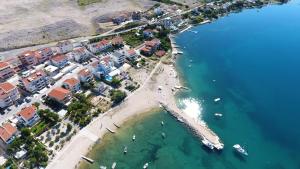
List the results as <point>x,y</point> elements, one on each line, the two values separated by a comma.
<point>217,99</point>
<point>208,144</point>
<point>240,149</point>
<point>218,114</point>
<point>145,166</point>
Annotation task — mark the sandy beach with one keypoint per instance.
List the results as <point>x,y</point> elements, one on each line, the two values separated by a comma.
<point>147,97</point>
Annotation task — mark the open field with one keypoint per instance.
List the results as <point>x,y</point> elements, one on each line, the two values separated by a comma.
<point>30,22</point>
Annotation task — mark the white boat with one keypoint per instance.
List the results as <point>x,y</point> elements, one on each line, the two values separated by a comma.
<point>114,165</point>
<point>240,149</point>
<point>125,149</point>
<point>145,166</point>
<point>133,137</point>
<point>208,144</point>
<point>217,99</point>
<point>162,123</point>
<point>180,119</point>
<point>103,167</point>
<point>163,135</point>
<point>218,114</point>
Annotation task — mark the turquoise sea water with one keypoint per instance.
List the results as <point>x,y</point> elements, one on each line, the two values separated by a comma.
<point>252,61</point>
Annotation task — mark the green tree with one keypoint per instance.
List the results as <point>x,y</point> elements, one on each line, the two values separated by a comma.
<point>117,96</point>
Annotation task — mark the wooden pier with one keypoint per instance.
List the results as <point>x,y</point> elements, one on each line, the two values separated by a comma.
<point>110,130</point>
<point>87,159</point>
<point>196,126</point>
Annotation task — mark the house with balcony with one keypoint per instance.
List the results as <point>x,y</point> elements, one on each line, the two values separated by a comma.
<point>6,71</point>
<point>64,46</point>
<point>35,82</point>
<point>131,54</point>
<point>118,58</point>
<point>85,75</point>
<point>44,54</point>
<point>61,95</point>
<point>9,94</point>
<point>150,47</point>
<point>15,63</point>
<point>59,60</point>
<point>28,116</point>
<point>99,46</point>
<point>8,133</point>
<point>28,59</point>
<point>72,84</point>
<point>80,54</point>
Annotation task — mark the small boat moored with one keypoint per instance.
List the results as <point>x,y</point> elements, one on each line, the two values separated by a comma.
<point>163,135</point>
<point>162,123</point>
<point>218,114</point>
<point>133,137</point>
<point>208,144</point>
<point>114,165</point>
<point>125,150</point>
<point>217,99</point>
<point>103,167</point>
<point>180,119</point>
<point>240,149</point>
<point>145,166</point>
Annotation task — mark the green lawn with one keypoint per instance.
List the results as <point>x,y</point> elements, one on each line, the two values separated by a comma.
<point>87,2</point>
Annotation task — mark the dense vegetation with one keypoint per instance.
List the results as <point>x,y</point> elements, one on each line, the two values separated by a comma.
<point>36,152</point>
<point>117,96</point>
<point>79,110</point>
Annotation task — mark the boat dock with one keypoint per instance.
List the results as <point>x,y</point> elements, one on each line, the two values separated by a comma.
<point>87,159</point>
<point>197,127</point>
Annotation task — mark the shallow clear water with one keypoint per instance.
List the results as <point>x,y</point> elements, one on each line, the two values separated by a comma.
<point>252,61</point>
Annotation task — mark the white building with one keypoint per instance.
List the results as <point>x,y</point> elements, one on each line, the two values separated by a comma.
<point>5,71</point>
<point>8,94</point>
<point>8,133</point>
<point>36,81</point>
<point>99,46</point>
<point>64,47</point>
<point>59,60</point>
<point>72,84</point>
<point>131,54</point>
<point>118,58</point>
<point>85,75</point>
<point>80,54</point>
<point>28,116</point>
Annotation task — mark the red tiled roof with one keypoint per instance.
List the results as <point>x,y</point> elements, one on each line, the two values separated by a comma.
<point>27,112</point>
<point>146,49</point>
<point>3,65</point>
<point>160,53</point>
<point>103,42</point>
<point>7,131</point>
<point>6,87</point>
<point>117,40</point>
<point>59,57</point>
<point>59,93</point>
<point>33,76</point>
<point>131,52</point>
<point>72,81</point>
<point>84,72</point>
